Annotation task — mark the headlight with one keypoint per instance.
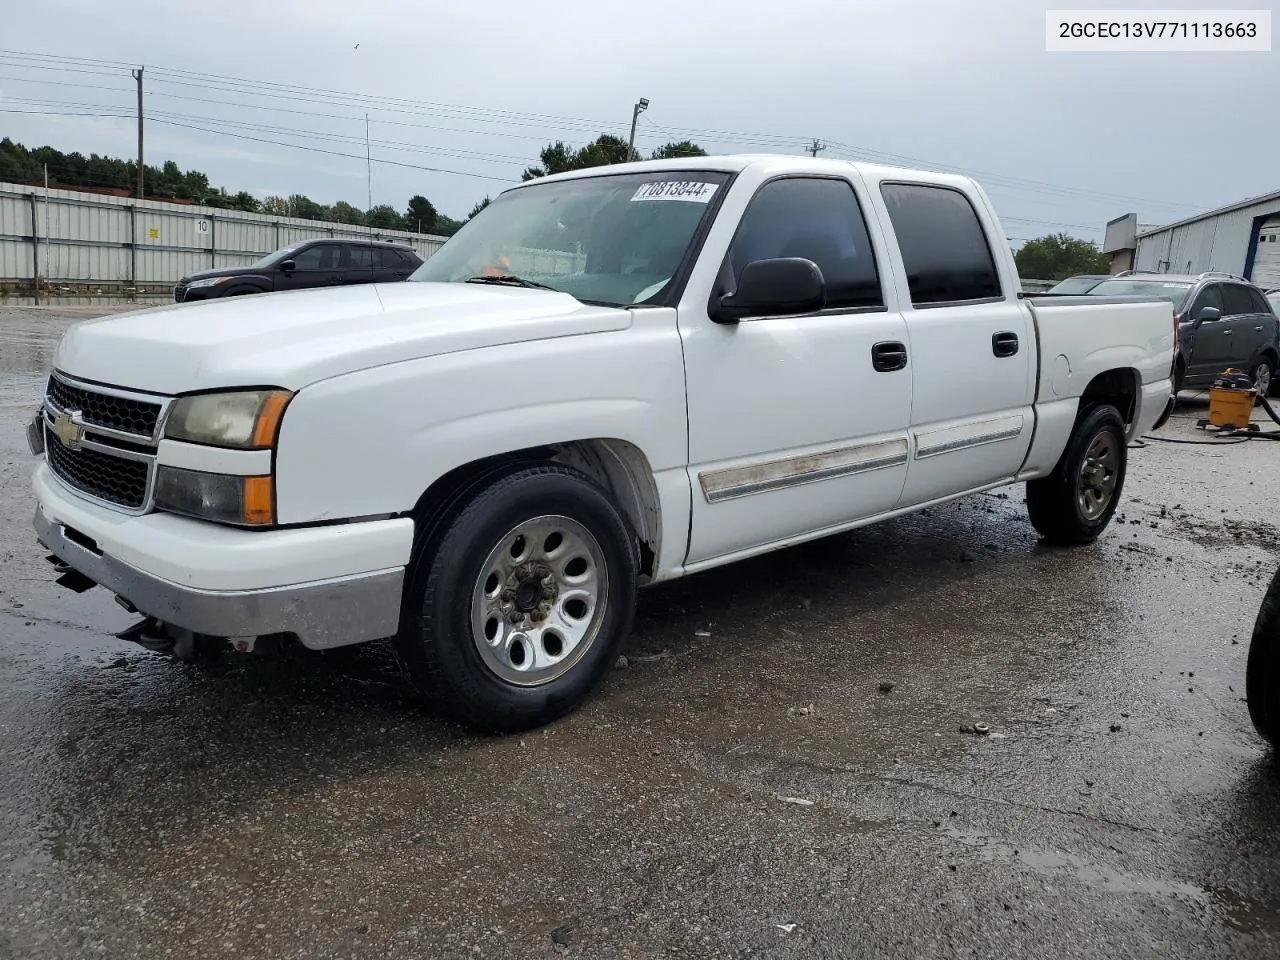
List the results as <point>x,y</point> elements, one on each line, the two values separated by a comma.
<point>243,501</point>
<point>209,282</point>
<point>245,420</point>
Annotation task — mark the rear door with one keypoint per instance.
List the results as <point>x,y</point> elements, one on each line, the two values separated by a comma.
<point>971,342</point>
<point>358,262</point>
<point>1243,325</point>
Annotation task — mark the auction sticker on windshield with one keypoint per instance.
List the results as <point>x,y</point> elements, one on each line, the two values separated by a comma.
<point>688,190</point>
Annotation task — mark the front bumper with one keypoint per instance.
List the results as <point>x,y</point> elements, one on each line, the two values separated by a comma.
<point>341,609</point>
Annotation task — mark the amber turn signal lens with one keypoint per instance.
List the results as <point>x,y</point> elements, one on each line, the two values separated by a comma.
<point>259,505</point>
<point>268,422</point>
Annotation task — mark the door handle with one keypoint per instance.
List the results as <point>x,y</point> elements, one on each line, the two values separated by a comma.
<point>889,356</point>
<point>1257,329</point>
<point>1004,343</point>
<point>1227,333</point>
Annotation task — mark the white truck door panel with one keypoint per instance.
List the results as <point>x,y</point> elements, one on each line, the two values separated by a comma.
<point>972,345</point>
<point>792,429</point>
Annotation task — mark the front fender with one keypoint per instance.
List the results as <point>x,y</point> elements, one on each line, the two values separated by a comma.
<point>370,443</point>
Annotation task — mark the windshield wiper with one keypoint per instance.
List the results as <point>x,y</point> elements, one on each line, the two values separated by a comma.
<point>512,281</point>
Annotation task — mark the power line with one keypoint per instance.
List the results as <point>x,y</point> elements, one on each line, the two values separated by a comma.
<point>486,114</point>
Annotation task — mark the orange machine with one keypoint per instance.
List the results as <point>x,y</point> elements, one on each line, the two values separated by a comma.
<point>1231,400</point>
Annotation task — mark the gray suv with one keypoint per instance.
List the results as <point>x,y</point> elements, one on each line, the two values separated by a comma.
<point>1223,321</point>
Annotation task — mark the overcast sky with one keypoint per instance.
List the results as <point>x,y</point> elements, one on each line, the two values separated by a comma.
<point>1062,141</point>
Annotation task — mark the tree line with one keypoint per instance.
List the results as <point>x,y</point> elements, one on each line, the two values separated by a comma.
<point>20,164</point>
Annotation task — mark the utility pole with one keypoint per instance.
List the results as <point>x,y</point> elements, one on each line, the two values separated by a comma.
<point>814,147</point>
<point>641,105</point>
<point>137,75</point>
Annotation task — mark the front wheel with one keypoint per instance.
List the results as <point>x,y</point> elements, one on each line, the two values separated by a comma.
<point>1262,675</point>
<point>1074,504</point>
<point>1263,376</point>
<point>516,610</point>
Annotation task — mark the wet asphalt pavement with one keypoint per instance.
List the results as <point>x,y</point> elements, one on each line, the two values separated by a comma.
<point>743,787</point>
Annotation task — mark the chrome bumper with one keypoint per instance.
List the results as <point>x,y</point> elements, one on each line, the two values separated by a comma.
<point>322,614</point>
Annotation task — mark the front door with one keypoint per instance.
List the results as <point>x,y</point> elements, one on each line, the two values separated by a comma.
<point>797,424</point>
<point>973,348</point>
<point>316,266</point>
<point>1212,342</point>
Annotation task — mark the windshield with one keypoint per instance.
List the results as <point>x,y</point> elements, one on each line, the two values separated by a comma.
<point>613,240</point>
<point>1076,285</point>
<point>273,258</point>
<point>1177,292</point>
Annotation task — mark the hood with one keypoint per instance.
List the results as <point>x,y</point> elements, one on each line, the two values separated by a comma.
<point>292,339</point>
<point>220,272</point>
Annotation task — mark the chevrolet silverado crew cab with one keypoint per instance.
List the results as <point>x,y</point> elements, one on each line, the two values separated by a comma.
<point>607,379</point>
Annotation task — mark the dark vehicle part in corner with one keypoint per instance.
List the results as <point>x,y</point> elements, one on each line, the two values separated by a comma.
<point>1262,675</point>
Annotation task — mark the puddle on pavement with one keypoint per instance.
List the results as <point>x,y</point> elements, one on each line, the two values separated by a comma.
<point>1240,912</point>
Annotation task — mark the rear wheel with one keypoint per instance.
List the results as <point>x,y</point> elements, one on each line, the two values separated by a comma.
<point>1263,375</point>
<point>1075,503</point>
<point>514,614</point>
<point>1262,676</point>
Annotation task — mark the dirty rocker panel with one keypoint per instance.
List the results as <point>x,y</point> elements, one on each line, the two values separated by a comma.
<point>931,443</point>
<point>718,485</point>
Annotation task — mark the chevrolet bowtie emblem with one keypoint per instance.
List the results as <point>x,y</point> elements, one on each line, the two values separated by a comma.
<point>67,431</point>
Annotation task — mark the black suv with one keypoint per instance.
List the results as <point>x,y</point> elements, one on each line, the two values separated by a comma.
<point>312,263</point>
<point>1223,321</point>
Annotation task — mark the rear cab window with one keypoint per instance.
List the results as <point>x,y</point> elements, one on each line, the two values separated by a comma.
<point>944,248</point>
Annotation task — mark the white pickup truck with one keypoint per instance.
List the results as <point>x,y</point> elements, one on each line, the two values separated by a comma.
<point>607,379</point>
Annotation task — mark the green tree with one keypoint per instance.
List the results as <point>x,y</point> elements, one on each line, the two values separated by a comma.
<point>246,201</point>
<point>1057,256</point>
<point>670,151</point>
<point>421,215</point>
<point>606,149</point>
<point>304,207</point>
<point>478,207</point>
<point>385,217</point>
<point>275,206</point>
<point>344,212</point>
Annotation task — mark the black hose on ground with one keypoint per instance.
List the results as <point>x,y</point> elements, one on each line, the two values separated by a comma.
<point>1236,436</point>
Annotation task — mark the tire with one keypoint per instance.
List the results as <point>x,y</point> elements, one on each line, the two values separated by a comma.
<point>517,604</point>
<point>1262,675</point>
<point>1075,503</point>
<point>1266,366</point>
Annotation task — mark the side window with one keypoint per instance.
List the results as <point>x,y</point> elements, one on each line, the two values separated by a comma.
<point>944,248</point>
<point>390,258</point>
<point>1210,296</point>
<point>1259,301</point>
<point>1236,300</point>
<point>323,256</point>
<point>820,220</point>
<point>359,256</point>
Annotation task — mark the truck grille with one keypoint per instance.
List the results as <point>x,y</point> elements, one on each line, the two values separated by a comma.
<point>109,453</point>
<point>104,410</point>
<point>101,475</point>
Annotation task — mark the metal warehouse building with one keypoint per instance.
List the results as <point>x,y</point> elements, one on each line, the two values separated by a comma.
<point>1243,238</point>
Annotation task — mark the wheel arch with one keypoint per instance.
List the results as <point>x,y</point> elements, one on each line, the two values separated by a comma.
<point>621,469</point>
<point>1120,387</point>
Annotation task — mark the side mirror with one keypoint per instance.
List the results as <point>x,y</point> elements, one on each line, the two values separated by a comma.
<point>783,285</point>
<point>287,266</point>
<point>1208,314</point>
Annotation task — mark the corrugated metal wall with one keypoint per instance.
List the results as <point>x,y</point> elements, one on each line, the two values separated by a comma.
<point>86,238</point>
<point>1214,243</point>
